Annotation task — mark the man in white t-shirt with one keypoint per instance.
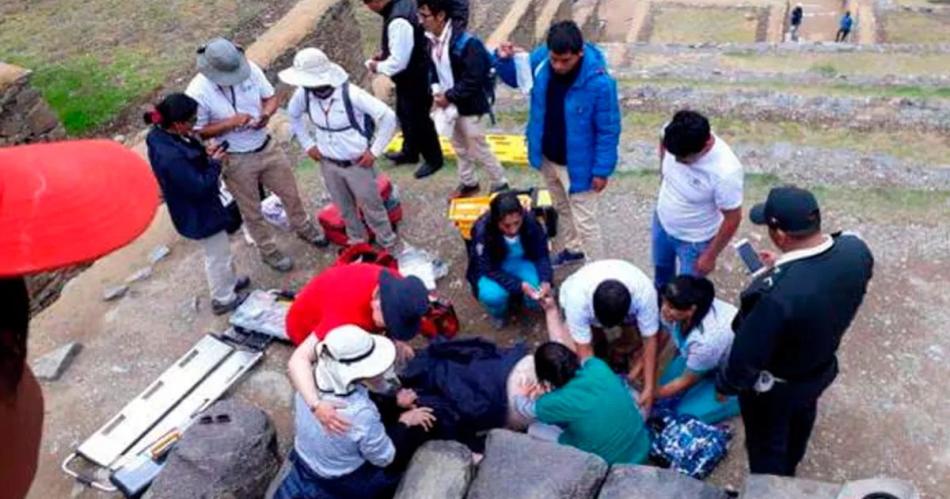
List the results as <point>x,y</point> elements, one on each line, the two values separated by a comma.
<point>699,207</point>
<point>235,102</point>
<point>605,294</point>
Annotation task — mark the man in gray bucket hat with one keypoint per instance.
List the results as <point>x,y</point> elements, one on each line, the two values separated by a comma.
<point>235,103</point>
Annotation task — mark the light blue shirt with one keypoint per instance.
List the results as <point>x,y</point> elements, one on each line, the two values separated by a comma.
<point>332,456</point>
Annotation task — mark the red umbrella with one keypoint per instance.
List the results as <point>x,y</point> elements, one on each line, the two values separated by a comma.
<point>63,203</point>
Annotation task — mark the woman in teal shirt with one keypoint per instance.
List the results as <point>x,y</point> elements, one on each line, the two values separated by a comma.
<point>586,400</point>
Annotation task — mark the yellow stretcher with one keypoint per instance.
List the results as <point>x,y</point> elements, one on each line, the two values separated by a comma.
<point>510,149</point>
<point>463,212</point>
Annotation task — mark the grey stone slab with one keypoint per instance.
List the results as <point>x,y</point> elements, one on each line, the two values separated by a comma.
<point>517,466</point>
<point>440,469</point>
<point>777,487</point>
<point>52,365</point>
<point>158,254</point>
<point>631,481</point>
<point>115,292</point>
<point>139,275</point>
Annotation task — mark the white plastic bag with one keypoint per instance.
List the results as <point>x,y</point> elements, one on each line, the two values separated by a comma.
<point>444,119</point>
<point>273,211</point>
<point>523,74</point>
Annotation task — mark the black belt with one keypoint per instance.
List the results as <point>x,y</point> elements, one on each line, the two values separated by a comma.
<point>259,149</point>
<point>342,163</point>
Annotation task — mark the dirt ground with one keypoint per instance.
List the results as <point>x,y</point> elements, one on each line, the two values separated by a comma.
<point>885,415</point>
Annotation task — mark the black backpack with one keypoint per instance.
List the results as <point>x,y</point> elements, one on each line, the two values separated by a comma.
<point>367,129</point>
<point>491,81</point>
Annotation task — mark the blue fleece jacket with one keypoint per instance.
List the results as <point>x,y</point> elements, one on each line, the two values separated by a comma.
<point>592,115</point>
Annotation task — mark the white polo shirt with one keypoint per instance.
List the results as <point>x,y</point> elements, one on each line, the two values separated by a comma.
<point>692,197</point>
<point>577,297</point>
<point>218,103</point>
<point>707,346</point>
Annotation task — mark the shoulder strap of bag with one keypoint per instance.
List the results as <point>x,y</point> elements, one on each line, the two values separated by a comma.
<point>351,113</point>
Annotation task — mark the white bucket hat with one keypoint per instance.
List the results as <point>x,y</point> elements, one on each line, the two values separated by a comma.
<point>312,68</point>
<point>223,62</point>
<point>347,354</point>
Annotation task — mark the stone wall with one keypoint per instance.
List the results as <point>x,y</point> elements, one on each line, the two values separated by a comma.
<point>26,118</point>
<point>24,115</point>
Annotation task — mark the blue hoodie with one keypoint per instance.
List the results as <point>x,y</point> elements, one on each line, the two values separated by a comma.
<point>593,115</point>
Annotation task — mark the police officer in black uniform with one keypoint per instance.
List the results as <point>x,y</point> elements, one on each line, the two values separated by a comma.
<point>789,326</point>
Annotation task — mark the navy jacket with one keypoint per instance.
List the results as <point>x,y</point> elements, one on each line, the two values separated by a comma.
<point>486,254</point>
<point>472,69</point>
<point>189,182</point>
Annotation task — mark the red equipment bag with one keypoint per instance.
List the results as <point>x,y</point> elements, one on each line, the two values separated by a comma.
<point>366,253</point>
<point>331,219</point>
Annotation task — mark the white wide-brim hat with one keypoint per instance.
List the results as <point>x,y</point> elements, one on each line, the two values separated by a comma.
<point>348,354</point>
<point>312,68</point>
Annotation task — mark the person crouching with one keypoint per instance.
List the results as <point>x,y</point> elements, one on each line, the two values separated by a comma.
<point>351,464</point>
<point>352,128</point>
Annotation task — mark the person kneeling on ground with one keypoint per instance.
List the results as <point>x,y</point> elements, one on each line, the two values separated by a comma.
<point>352,463</point>
<point>587,403</point>
<point>508,257</point>
<point>190,176</point>
<point>701,327</point>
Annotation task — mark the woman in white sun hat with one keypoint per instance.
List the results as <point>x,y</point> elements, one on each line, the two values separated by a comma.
<point>351,129</point>
<point>352,463</point>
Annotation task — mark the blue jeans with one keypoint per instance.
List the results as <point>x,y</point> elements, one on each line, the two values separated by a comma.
<point>494,297</point>
<point>667,250</point>
<point>367,481</point>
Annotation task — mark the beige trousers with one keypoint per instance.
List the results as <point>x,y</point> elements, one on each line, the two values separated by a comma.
<point>272,168</point>
<point>353,189</point>
<point>219,266</point>
<point>470,145</point>
<point>579,225</point>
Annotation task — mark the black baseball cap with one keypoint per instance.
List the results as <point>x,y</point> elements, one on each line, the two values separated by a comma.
<point>790,209</point>
<point>404,301</point>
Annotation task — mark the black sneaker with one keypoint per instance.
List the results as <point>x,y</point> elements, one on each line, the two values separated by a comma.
<point>567,257</point>
<point>425,170</point>
<point>218,308</point>
<point>464,191</point>
<point>500,188</point>
<point>398,158</point>
<point>242,283</point>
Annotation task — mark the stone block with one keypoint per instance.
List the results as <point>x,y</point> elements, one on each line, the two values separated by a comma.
<point>440,469</point>
<point>41,118</point>
<point>517,466</point>
<point>52,365</point>
<point>777,487</point>
<point>647,482</point>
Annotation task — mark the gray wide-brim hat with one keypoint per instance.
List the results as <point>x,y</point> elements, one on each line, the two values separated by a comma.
<point>312,68</point>
<point>223,62</point>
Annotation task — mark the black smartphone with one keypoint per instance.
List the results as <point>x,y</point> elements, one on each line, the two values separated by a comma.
<point>224,145</point>
<point>749,256</point>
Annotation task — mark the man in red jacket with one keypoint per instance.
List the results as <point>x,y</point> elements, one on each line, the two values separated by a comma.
<point>372,297</point>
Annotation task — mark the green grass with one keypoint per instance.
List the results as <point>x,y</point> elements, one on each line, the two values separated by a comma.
<point>699,25</point>
<point>869,64</point>
<point>911,27</point>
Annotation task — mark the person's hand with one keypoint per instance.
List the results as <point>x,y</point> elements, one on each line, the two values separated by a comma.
<point>635,376</point>
<point>218,153</point>
<point>404,351</point>
<point>547,303</point>
<point>768,258</point>
<point>406,398</point>
<point>371,65</point>
<point>239,120</point>
<point>440,100</point>
<point>530,291</point>
<point>366,159</point>
<point>544,290</point>
<point>314,154</point>
<point>420,416</point>
<point>598,184</point>
<point>705,264</point>
<point>646,400</point>
<point>261,122</point>
<point>526,388</point>
<point>325,412</point>
<point>506,50</point>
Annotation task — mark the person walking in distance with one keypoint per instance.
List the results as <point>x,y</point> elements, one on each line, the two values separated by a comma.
<point>573,131</point>
<point>404,59</point>
<point>790,323</point>
<point>795,21</point>
<point>235,103</point>
<point>844,27</point>
<point>699,207</point>
<point>351,129</point>
<point>462,78</point>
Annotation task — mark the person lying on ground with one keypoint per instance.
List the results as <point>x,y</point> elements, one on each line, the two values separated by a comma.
<point>352,463</point>
<point>603,295</point>
<point>508,258</point>
<point>701,328</point>
<point>589,407</point>
<point>189,175</point>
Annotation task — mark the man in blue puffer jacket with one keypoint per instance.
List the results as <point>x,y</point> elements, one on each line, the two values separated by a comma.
<point>573,131</point>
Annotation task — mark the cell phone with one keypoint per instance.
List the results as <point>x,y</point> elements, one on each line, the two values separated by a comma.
<point>749,256</point>
<point>224,145</point>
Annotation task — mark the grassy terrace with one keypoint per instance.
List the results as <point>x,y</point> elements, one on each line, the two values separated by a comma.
<point>825,89</point>
<point>697,25</point>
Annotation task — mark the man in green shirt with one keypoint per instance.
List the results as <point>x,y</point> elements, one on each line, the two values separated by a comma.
<point>586,400</point>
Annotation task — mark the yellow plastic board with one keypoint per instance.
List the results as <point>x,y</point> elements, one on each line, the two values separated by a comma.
<point>464,212</point>
<point>510,149</point>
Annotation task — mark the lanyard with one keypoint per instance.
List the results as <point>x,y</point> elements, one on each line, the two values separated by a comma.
<point>232,100</point>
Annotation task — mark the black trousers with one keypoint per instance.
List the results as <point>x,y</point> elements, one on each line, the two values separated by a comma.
<point>413,104</point>
<point>778,424</point>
